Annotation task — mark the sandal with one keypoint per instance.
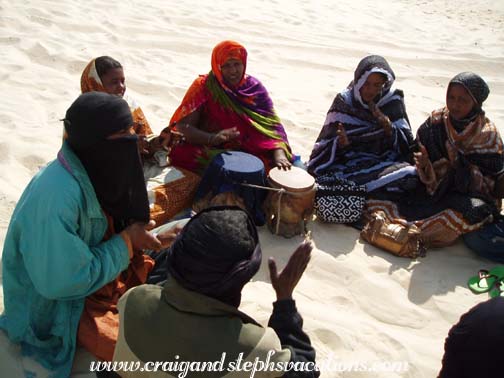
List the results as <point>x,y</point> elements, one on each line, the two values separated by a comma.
<point>485,280</point>
<point>497,288</point>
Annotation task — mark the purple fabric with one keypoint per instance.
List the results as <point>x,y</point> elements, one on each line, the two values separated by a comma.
<point>64,162</point>
<point>253,90</point>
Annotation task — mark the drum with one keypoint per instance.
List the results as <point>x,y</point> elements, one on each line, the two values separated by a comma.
<point>226,180</point>
<point>291,206</point>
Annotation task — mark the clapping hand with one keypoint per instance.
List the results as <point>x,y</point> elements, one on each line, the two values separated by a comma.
<point>341,133</point>
<point>423,165</point>
<point>421,158</point>
<point>382,119</point>
<point>284,282</point>
<point>224,136</point>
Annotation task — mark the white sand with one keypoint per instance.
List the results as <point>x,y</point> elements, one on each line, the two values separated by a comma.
<point>359,304</point>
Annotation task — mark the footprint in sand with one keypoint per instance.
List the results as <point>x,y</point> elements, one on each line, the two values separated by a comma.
<point>328,337</point>
<point>10,40</point>
<point>383,344</point>
<point>39,53</point>
<point>75,67</point>
<point>41,20</point>
<point>4,150</point>
<point>345,303</point>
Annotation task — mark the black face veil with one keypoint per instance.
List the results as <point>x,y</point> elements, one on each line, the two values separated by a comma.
<point>113,165</point>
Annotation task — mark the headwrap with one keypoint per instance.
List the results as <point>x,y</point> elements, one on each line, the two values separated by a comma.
<point>249,97</point>
<point>222,53</point>
<point>90,80</point>
<point>216,253</point>
<point>113,165</point>
<point>367,66</point>
<point>362,129</point>
<point>474,85</point>
<point>473,347</point>
<point>249,103</point>
<point>93,117</point>
<point>477,89</point>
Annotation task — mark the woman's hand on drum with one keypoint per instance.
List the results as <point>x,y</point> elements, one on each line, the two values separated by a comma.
<point>223,136</point>
<point>284,282</point>
<point>281,160</point>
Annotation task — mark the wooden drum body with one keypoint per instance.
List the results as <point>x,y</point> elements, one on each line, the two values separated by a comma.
<point>288,209</point>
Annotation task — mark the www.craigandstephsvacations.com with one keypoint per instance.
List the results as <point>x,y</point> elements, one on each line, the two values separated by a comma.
<point>180,369</point>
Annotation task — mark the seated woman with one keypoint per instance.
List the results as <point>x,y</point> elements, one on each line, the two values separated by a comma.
<point>105,74</point>
<point>366,136</point>
<point>459,158</point>
<point>228,110</point>
<point>170,190</point>
<point>62,278</point>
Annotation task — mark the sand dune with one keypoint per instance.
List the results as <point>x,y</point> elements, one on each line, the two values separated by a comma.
<point>359,303</point>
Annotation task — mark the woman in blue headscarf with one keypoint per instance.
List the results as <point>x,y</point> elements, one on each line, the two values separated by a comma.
<point>366,136</point>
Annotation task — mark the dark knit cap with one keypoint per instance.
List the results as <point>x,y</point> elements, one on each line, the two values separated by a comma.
<point>474,84</point>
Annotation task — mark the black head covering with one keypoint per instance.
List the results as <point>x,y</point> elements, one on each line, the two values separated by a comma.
<point>368,65</point>
<point>370,62</point>
<point>113,165</point>
<point>477,89</point>
<point>217,253</point>
<point>93,117</point>
<point>474,84</point>
<point>473,347</point>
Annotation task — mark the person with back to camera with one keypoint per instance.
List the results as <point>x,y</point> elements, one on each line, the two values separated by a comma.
<point>473,345</point>
<point>194,315</point>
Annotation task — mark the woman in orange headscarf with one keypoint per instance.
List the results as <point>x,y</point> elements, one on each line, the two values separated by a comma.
<point>105,74</point>
<point>227,109</point>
